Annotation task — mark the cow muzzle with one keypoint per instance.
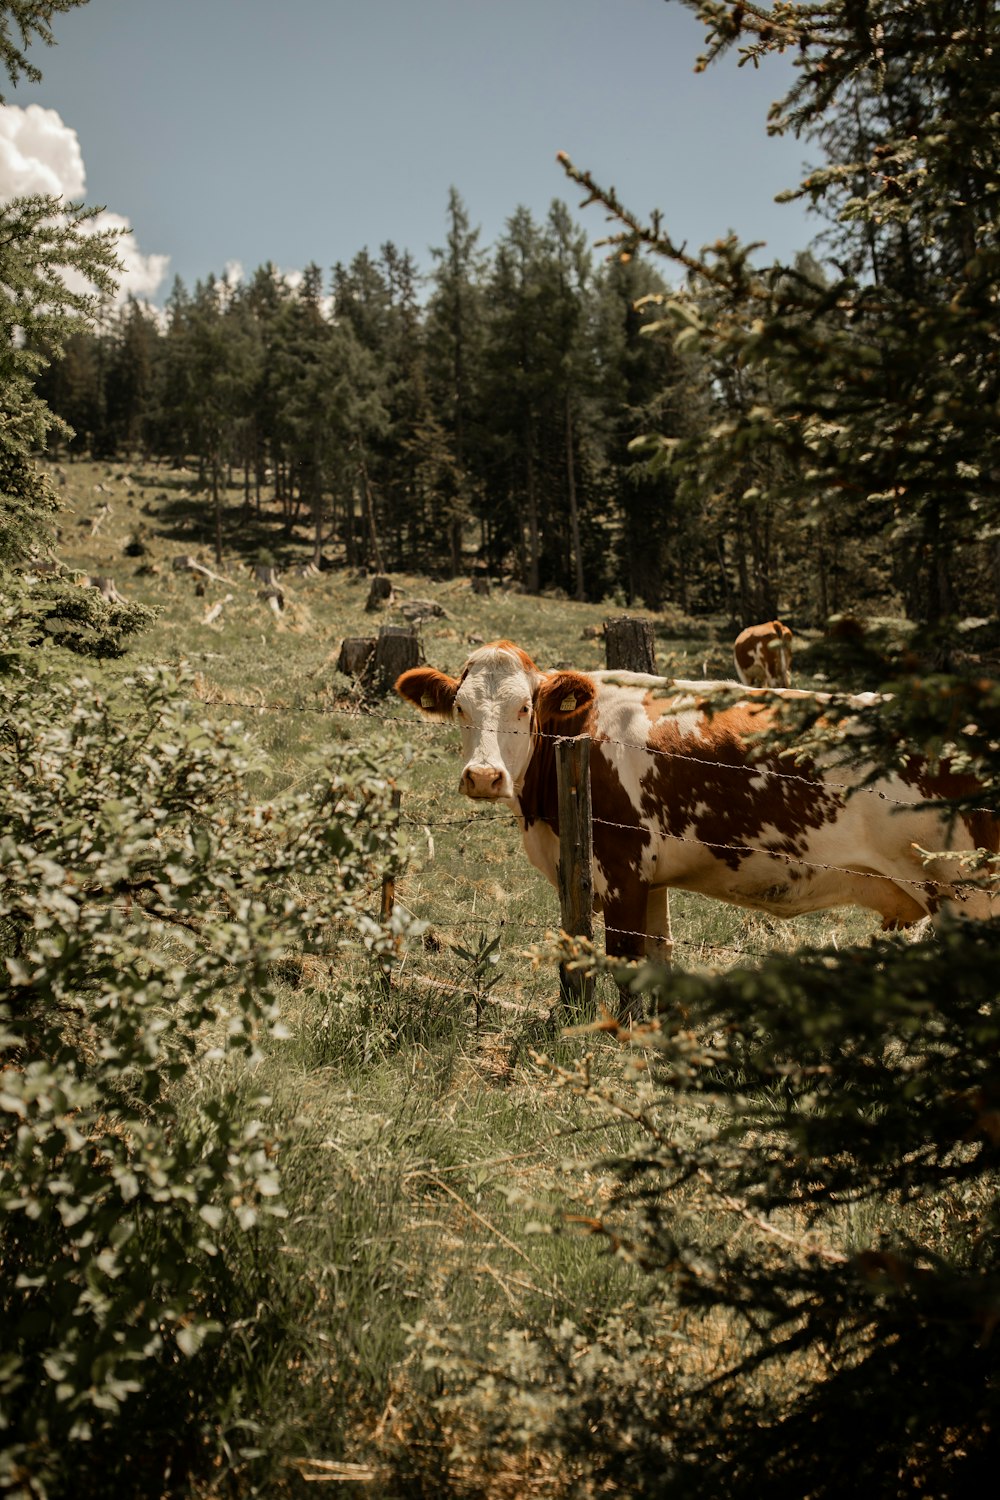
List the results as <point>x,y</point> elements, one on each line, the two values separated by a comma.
<point>485,782</point>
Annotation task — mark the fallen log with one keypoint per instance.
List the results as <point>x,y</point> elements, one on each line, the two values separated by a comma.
<point>185,563</point>
<point>211,615</point>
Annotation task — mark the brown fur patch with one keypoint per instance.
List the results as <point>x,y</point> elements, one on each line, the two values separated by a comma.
<point>539,797</point>
<point>946,785</point>
<point>708,789</point>
<point>429,690</point>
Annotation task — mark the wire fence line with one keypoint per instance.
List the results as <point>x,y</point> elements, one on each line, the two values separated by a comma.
<point>476,821</point>
<point>506,926</point>
<point>637,829</point>
<point>748,768</point>
<point>754,769</point>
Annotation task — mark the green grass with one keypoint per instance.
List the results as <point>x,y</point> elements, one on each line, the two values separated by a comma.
<point>421,1155</point>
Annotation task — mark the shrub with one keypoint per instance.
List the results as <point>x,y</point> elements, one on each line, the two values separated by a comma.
<point>812,1189</point>
<point>145,906</point>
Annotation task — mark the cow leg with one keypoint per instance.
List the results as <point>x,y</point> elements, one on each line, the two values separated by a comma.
<point>625,937</point>
<point>659,938</point>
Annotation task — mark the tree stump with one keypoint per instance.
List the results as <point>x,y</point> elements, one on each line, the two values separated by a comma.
<point>355,652</point>
<point>379,594</point>
<point>273,598</point>
<point>628,645</point>
<point>105,586</point>
<point>396,650</point>
<point>266,574</point>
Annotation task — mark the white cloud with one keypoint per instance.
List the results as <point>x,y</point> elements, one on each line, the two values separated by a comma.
<point>143,273</point>
<point>39,153</point>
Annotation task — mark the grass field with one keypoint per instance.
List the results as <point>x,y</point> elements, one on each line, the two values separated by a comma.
<point>425,1158</point>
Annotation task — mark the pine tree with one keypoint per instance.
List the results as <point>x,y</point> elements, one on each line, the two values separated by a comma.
<point>663,543</point>
<point>132,379</point>
<point>455,334</point>
<point>569,272</point>
<point>329,412</point>
<point>848,1142</point>
<point>42,243</point>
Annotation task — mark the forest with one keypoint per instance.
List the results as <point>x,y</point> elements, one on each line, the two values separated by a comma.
<point>492,419</point>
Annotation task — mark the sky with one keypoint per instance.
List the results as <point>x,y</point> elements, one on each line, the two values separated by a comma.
<point>229,133</point>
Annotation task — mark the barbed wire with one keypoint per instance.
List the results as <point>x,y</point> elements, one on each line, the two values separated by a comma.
<point>483,819</point>
<point>795,859</point>
<point>547,929</point>
<point>748,768</point>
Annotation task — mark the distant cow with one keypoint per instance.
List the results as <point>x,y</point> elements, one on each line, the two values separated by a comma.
<point>677,801</point>
<point>763,655</point>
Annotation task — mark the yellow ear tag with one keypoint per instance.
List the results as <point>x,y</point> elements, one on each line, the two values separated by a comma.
<point>426,701</point>
<point>568,704</point>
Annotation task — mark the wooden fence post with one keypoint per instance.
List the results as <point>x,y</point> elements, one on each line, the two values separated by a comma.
<point>388,901</point>
<point>576,863</point>
<point>628,645</point>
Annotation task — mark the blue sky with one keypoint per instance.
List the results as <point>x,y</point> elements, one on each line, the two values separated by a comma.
<point>303,130</point>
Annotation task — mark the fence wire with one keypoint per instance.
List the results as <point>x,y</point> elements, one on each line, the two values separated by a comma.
<point>749,768</point>
<point>473,822</point>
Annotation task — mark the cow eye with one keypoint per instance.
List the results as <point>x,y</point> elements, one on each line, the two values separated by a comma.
<point>524,711</point>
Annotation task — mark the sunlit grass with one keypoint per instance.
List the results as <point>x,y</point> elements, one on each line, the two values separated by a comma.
<point>425,1150</point>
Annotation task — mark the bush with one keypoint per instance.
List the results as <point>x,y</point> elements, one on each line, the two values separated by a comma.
<point>145,908</point>
<point>813,1190</point>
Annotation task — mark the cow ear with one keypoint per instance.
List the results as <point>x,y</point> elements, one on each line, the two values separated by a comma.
<point>429,690</point>
<point>563,702</point>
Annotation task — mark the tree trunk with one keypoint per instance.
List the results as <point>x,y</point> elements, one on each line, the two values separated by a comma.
<point>574,515</point>
<point>531,580</point>
<point>628,645</point>
<point>217,507</point>
<point>369,504</point>
<point>317,509</point>
<point>825,611</point>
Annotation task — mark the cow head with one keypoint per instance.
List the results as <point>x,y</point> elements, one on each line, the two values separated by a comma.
<point>500,702</point>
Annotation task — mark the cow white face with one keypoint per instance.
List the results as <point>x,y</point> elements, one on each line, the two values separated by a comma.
<point>492,704</point>
<point>506,709</point>
<point>493,709</point>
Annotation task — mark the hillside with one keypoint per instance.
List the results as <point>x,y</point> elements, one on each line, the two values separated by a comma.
<point>427,1131</point>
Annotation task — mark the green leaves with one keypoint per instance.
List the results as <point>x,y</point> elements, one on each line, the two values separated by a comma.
<point>143,912</point>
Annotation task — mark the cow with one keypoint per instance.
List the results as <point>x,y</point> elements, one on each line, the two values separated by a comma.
<point>679,802</point>
<point>763,655</point>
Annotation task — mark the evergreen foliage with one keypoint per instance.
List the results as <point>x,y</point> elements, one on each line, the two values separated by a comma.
<point>850,1133</point>
<point>21,22</point>
<point>42,242</point>
<point>56,267</point>
<point>488,424</point>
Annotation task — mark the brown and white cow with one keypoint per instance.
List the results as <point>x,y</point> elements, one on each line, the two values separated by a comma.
<point>763,655</point>
<point>678,803</point>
